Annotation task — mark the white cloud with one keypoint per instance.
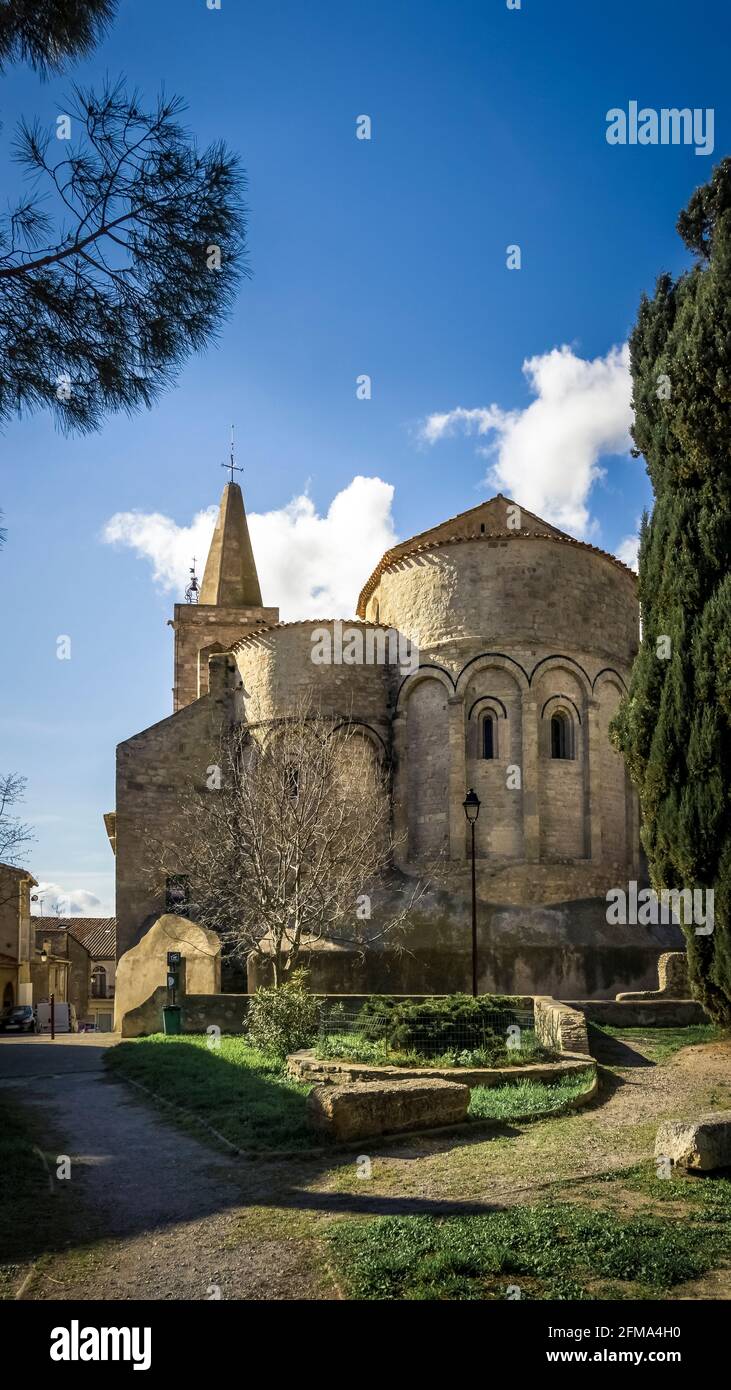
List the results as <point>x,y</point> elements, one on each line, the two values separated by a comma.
<point>57,902</point>
<point>628,551</point>
<point>309,565</point>
<point>170,547</point>
<point>547,455</point>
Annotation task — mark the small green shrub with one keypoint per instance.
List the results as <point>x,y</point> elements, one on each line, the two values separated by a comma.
<point>455,1023</point>
<point>355,1047</point>
<point>283,1020</point>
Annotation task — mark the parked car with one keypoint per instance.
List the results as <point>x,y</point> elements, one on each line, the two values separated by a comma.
<point>20,1018</point>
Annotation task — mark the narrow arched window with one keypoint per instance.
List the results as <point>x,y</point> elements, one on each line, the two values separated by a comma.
<point>561,735</point>
<point>489,741</point>
<point>98,982</point>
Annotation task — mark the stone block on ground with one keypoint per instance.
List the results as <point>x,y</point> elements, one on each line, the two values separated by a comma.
<point>364,1108</point>
<point>701,1144</point>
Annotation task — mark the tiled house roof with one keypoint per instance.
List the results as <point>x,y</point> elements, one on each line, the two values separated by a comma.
<point>98,935</point>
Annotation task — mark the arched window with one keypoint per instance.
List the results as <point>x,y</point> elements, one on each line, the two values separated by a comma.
<point>98,982</point>
<point>561,735</point>
<point>489,735</point>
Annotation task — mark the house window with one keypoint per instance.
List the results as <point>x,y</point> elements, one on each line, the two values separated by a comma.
<point>8,995</point>
<point>489,739</point>
<point>177,894</point>
<point>561,735</point>
<point>98,982</point>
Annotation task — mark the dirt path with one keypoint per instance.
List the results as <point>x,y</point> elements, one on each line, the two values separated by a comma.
<point>162,1216</point>
<point>156,1210</point>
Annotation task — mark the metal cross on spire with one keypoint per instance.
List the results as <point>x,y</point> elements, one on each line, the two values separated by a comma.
<point>234,468</point>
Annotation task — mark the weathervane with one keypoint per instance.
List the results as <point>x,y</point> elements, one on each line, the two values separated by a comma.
<point>193,589</point>
<point>231,464</point>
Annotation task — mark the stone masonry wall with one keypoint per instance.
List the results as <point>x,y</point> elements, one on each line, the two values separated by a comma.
<point>525,590</point>
<point>153,768</point>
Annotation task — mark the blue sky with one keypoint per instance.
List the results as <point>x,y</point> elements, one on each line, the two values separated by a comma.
<point>385,257</point>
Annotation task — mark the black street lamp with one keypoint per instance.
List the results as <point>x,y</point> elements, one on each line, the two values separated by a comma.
<point>471,806</point>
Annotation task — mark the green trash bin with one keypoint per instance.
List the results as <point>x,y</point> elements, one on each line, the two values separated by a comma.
<point>171,1019</point>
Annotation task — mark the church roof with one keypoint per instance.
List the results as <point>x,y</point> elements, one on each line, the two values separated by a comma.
<point>485,522</point>
<point>250,637</point>
<point>230,578</point>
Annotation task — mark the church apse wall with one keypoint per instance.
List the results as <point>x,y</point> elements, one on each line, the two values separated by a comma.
<point>525,642</point>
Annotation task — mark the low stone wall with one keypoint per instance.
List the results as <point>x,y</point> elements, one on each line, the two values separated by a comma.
<point>672,979</point>
<point>559,1026</point>
<point>645,1013</point>
<point>357,1111</point>
<point>141,970</point>
<point>228,1011</point>
<point>305,1066</point>
<point>198,1012</point>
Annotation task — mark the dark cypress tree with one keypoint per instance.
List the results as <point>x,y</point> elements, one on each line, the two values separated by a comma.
<point>45,33</point>
<point>674,727</point>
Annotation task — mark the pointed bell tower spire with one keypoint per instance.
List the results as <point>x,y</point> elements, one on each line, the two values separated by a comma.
<point>230,578</point>
<point>228,604</point>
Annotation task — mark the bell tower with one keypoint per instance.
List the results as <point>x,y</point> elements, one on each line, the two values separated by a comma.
<point>228,603</point>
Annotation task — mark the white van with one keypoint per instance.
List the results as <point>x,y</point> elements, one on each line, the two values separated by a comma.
<point>64,1018</point>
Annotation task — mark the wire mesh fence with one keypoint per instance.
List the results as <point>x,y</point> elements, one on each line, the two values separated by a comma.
<point>423,1031</point>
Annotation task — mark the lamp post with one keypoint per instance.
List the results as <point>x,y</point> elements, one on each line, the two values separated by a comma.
<point>471,805</point>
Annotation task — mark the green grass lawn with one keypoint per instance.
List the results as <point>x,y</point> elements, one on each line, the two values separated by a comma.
<point>659,1044</point>
<point>242,1093</point>
<point>562,1251</point>
<point>527,1097</point>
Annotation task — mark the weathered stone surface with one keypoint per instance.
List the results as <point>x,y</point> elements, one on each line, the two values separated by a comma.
<point>514,623</point>
<point>650,1012</point>
<point>305,1066</point>
<point>702,1144</point>
<point>560,1027</point>
<point>363,1109</point>
<point>672,978</point>
<point>143,968</point>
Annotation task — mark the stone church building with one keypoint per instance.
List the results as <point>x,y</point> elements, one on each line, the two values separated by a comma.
<point>525,642</point>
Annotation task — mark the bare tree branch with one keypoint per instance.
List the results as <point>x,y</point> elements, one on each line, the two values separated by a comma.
<point>291,847</point>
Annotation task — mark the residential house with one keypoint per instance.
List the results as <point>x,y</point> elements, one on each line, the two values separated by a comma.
<point>15,936</point>
<point>89,945</point>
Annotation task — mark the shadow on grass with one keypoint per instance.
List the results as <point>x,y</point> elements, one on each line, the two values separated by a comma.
<point>38,1214</point>
<point>238,1092</point>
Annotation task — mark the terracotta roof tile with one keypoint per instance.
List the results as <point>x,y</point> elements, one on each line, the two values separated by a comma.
<point>98,935</point>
